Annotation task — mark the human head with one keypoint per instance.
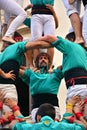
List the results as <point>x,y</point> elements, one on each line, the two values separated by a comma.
<point>17,37</point>
<point>45,109</point>
<point>70,36</point>
<point>42,60</point>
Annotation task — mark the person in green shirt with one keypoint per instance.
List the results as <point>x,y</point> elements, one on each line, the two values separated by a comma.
<point>32,25</point>
<point>44,86</point>
<point>45,117</point>
<point>74,63</point>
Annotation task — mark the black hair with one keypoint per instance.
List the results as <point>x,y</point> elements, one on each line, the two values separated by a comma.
<point>70,36</point>
<point>38,57</point>
<point>46,109</point>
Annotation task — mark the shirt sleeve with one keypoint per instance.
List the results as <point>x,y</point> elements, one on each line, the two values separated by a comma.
<point>62,45</point>
<point>20,47</point>
<point>26,76</point>
<point>59,73</point>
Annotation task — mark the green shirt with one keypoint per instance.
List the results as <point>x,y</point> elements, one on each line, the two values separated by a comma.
<point>47,123</point>
<point>74,55</point>
<point>42,2</point>
<point>43,83</point>
<point>13,52</point>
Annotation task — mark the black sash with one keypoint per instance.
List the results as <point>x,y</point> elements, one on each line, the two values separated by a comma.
<point>39,99</point>
<point>40,9</point>
<point>75,76</point>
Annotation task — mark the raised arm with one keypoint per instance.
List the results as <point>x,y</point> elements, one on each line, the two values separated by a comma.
<point>38,44</point>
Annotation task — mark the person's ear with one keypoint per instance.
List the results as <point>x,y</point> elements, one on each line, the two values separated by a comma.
<point>38,118</point>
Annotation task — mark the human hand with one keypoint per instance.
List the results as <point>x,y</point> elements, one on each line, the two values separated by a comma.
<point>28,7</point>
<point>10,75</point>
<point>78,107</point>
<point>74,100</point>
<point>48,6</point>
<point>48,38</point>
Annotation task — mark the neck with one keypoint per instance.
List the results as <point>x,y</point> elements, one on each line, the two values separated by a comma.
<point>44,69</point>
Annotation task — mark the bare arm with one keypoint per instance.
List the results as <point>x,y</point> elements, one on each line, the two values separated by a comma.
<point>38,44</point>
<point>54,14</point>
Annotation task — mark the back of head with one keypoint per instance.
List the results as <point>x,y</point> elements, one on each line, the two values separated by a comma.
<point>17,37</point>
<point>46,109</point>
<point>70,36</point>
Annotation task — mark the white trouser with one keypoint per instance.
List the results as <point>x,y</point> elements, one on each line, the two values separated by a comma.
<point>33,113</point>
<point>72,8</point>
<point>11,92</point>
<point>84,27</point>
<point>10,6</point>
<point>7,15</point>
<point>42,24</point>
<point>80,90</point>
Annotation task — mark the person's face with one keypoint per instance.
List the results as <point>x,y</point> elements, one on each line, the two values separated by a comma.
<point>43,61</point>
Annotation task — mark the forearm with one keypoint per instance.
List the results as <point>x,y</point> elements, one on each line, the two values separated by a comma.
<point>38,44</point>
<point>2,73</point>
<point>55,19</point>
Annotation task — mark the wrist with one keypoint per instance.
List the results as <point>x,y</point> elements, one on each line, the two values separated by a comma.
<point>15,108</point>
<point>71,119</point>
<point>78,115</point>
<point>10,118</point>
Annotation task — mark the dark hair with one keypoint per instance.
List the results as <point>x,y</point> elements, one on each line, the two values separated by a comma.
<point>7,43</point>
<point>38,57</point>
<point>46,109</point>
<point>70,36</point>
<point>17,36</point>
